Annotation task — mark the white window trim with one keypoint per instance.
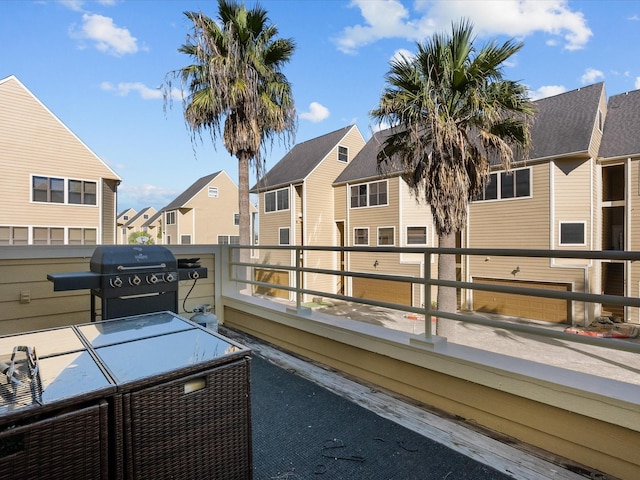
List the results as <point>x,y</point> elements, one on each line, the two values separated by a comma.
<point>275,192</point>
<point>183,235</point>
<point>584,233</point>
<point>406,236</point>
<point>338,153</point>
<point>498,174</point>
<point>280,229</point>
<point>367,184</point>
<point>393,236</point>
<point>368,237</point>
<point>212,192</point>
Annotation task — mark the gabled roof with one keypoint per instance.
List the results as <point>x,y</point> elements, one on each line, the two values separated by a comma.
<point>138,215</point>
<point>621,136</point>
<point>108,171</point>
<point>564,123</point>
<point>191,192</point>
<point>152,219</point>
<point>128,211</point>
<point>300,161</point>
<point>365,164</point>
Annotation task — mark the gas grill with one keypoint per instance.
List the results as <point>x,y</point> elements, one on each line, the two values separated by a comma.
<point>131,279</point>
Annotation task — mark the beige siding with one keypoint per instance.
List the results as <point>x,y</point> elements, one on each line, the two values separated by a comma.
<point>34,142</point>
<point>633,204</point>
<point>109,188</point>
<point>572,199</point>
<point>526,223</point>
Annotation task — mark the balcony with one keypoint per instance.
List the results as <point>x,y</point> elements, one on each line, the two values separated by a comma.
<point>525,398</point>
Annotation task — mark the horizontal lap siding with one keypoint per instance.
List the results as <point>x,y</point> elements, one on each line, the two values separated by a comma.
<point>33,141</point>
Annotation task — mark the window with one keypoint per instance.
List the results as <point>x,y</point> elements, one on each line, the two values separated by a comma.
<point>416,235</point>
<point>228,239</point>
<point>125,217</point>
<point>505,185</point>
<point>83,236</point>
<point>82,193</point>
<point>283,236</point>
<point>48,236</point>
<point>213,192</point>
<point>277,200</point>
<point>343,154</point>
<point>185,239</point>
<point>236,219</point>
<point>572,233</point>
<point>145,216</point>
<point>369,194</point>
<point>171,217</point>
<point>386,236</point>
<point>361,236</point>
<point>14,235</point>
<point>47,189</point>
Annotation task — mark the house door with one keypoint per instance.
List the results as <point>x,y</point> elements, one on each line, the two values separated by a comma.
<point>613,284</point>
<point>613,235</point>
<point>340,242</point>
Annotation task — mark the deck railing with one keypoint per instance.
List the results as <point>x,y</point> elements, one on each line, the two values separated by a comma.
<point>242,273</point>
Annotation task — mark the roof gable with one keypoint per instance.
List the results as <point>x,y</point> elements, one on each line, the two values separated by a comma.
<point>301,160</point>
<point>564,123</point>
<point>621,127</point>
<point>365,164</point>
<point>15,100</point>
<point>182,199</point>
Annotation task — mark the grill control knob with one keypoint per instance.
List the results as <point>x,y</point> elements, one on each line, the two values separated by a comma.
<point>169,277</point>
<point>152,279</point>
<point>194,275</point>
<point>135,280</point>
<point>116,282</point>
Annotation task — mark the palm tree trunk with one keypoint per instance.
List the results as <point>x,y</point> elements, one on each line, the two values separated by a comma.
<point>447,301</point>
<point>244,211</point>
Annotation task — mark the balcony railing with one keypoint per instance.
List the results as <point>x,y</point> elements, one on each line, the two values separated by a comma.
<point>244,273</point>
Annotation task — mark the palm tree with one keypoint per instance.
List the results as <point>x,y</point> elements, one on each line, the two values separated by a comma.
<point>236,89</point>
<point>452,116</point>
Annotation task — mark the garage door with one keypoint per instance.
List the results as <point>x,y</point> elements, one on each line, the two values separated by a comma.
<point>276,277</point>
<point>382,290</point>
<point>522,306</point>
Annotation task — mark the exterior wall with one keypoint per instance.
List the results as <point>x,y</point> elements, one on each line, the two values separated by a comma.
<point>633,235</point>
<point>318,212</point>
<point>559,192</point>
<point>34,142</point>
<point>24,274</point>
<point>401,211</point>
<point>214,216</point>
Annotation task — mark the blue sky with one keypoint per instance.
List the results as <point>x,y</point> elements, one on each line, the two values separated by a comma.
<point>97,66</point>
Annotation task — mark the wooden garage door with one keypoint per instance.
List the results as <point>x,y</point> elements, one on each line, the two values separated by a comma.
<point>276,277</point>
<point>382,290</point>
<point>522,306</point>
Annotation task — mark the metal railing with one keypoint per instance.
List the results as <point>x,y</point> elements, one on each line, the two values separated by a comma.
<point>427,282</point>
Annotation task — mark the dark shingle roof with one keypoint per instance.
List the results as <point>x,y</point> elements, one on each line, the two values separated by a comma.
<point>622,126</point>
<point>365,164</point>
<point>564,123</point>
<point>138,215</point>
<point>190,192</point>
<point>300,161</point>
<point>152,219</point>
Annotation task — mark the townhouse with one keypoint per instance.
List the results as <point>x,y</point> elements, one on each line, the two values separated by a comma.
<point>130,222</point>
<point>55,189</point>
<point>296,207</point>
<point>206,212</point>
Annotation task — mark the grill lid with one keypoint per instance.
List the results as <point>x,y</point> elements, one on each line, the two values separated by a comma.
<point>110,259</point>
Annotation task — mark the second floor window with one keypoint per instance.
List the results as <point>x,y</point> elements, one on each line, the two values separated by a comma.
<point>82,193</point>
<point>369,194</point>
<point>343,154</point>
<point>361,236</point>
<point>171,218</point>
<point>276,200</point>
<point>46,189</point>
<point>283,236</point>
<point>236,219</point>
<point>213,192</point>
<point>504,185</point>
<point>416,235</point>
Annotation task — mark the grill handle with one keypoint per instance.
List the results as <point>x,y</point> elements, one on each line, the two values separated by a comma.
<point>122,268</point>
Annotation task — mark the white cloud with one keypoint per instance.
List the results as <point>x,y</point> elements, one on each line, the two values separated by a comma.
<point>516,18</point>
<point>546,91</point>
<point>123,89</point>
<point>591,75</point>
<point>106,36</point>
<point>316,113</point>
<point>140,196</point>
<point>401,54</point>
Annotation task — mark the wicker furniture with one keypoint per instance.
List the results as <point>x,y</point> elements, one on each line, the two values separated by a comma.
<point>178,401</point>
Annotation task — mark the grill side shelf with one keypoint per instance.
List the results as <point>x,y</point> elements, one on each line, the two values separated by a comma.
<point>74,280</point>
